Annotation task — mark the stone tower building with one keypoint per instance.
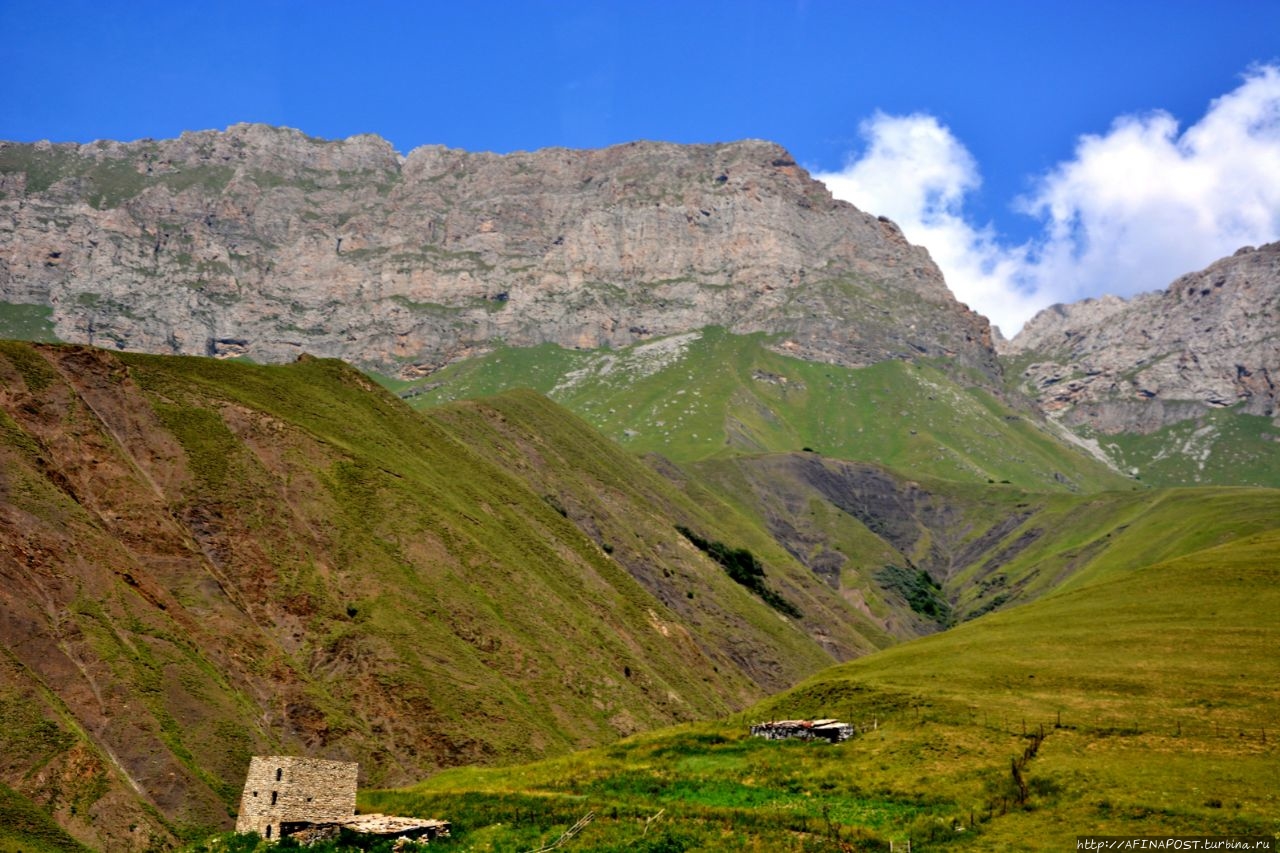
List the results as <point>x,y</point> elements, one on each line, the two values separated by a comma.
<point>283,793</point>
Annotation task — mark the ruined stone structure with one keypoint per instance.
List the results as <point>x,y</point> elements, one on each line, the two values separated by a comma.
<point>284,793</point>
<point>313,799</point>
<point>832,731</point>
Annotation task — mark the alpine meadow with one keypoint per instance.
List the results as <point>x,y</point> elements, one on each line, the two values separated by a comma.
<point>532,482</point>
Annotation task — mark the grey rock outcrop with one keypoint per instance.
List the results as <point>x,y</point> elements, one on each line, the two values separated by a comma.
<point>264,242</point>
<point>1211,340</point>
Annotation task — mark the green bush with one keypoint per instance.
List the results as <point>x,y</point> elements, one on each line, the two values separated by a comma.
<point>744,568</point>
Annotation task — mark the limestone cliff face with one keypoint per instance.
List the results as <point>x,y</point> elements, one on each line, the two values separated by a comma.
<point>1209,341</point>
<point>265,242</point>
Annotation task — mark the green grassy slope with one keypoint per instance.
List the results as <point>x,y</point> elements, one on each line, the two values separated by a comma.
<point>26,322</point>
<point>709,393</point>
<point>1213,447</point>
<point>204,560</point>
<point>598,486</point>
<point>987,547</point>
<point>1076,543</point>
<point>27,828</point>
<point>1143,703</point>
<point>1222,447</point>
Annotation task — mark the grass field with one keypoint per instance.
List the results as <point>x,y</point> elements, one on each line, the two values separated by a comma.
<point>710,394</point>
<point>1155,689</point>
<point>26,322</point>
<point>1222,447</point>
<point>494,581</point>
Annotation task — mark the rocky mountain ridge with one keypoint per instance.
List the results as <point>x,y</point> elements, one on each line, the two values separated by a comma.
<point>264,242</point>
<point>1207,342</point>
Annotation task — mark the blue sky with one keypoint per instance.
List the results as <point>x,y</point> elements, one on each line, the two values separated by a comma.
<point>995,100</point>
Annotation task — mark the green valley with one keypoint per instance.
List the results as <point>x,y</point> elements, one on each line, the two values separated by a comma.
<point>206,560</point>
<point>529,481</point>
<point>1141,703</point>
<point>710,393</point>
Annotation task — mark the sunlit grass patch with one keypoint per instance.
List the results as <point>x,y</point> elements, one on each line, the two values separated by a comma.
<point>1141,703</point>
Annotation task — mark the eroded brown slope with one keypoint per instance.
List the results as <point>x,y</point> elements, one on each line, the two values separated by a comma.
<point>201,560</point>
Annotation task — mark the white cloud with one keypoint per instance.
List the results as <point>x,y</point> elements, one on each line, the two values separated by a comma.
<point>917,173</point>
<point>1134,209</point>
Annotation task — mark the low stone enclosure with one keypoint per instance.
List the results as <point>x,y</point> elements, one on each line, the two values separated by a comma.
<point>832,731</point>
<point>311,799</point>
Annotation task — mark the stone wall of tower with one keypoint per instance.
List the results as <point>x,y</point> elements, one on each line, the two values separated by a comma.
<point>283,788</point>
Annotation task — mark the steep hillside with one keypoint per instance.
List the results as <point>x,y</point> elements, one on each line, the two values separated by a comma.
<point>948,552</point>
<point>710,393</point>
<point>264,242</point>
<point>1179,385</point>
<point>200,560</point>
<point>1139,703</point>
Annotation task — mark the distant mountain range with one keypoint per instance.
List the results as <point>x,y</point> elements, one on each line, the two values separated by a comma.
<point>1180,384</point>
<point>263,243</point>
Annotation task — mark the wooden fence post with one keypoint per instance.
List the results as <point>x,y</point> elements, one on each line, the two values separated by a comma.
<point>1019,781</point>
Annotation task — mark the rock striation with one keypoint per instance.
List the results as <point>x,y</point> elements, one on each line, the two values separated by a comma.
<point>1208,341</point>
<point>264,242</point>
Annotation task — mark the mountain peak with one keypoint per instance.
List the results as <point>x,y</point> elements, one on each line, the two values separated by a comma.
<point>1206,342</point>
<point>264,242</point>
